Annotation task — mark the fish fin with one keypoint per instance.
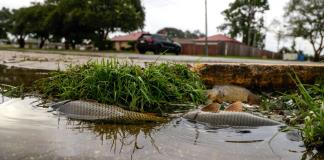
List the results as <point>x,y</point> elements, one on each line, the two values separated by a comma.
<point>57,105</point>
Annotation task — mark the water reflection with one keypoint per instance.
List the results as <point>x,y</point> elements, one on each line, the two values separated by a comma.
<point>313,155</point>
<point>20,76</point>
<point>23,125</point>
<point>2,98</point>
<point>120,136</point>
<point>54,137</point>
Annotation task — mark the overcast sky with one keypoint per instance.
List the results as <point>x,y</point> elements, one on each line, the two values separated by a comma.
<point>189,15</point>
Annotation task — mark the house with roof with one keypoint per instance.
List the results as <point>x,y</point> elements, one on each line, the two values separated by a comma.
<point>218,43</point>
<point>126,42</point>
<point>216,39</point>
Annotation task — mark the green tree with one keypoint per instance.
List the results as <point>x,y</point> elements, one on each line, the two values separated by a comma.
<point>114,15</point>
<point>76,20</point>
<point>37,25</point>
<point>172,32</point>
<point>245,18</point>
<point>178,33</point>
<point>68,20</point>
<point>194,35</point>
<point>306,19</point>
<point>19,24</point>
<point>5,15</point>
<point>30,21</point>
<point>279,29</point>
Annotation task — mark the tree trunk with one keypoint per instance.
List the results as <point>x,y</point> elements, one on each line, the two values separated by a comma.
<point>21,42</point>
<point>245,38</point>
<point>317,56</point>
<point>42,43</point>
<point>73,45</point>
<point>66,45</point>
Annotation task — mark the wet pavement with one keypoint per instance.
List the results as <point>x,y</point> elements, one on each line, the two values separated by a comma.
<point>30,132</point>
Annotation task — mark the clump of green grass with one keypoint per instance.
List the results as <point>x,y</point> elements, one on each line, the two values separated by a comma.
<point>278,102</point>
<point>313,131</point>
<point>11,91</point>
<point>307,104</point>
<point>310,101</point>
<point>154,88</point>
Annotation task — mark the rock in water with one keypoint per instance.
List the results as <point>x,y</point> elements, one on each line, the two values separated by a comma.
<point>229,93</point>
<point>214,107</point>
<point>235,107</point>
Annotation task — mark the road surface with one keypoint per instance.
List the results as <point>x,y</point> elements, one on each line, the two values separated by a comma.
<point>53,60</point>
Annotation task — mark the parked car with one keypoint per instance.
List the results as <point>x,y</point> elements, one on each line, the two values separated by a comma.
<point>157,44</point>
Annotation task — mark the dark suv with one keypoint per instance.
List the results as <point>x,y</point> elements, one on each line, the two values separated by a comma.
<point>157,44</point>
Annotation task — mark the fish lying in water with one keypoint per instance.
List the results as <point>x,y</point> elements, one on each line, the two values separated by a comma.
<point>93,111</point>
<point>224,118</point>
<point>230,93</point>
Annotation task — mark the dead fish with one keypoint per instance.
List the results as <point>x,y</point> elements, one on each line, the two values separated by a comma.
<point>93,111</point>
<point>230,93</point>
<point>224,118</point>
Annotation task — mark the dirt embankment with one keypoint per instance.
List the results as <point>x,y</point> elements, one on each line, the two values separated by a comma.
<point>258,76</point>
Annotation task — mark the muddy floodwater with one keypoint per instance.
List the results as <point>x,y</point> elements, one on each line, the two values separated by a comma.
<point>31,132</point>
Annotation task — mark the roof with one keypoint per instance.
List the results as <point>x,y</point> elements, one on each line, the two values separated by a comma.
<point>217,38</point>
<point>130,37</point>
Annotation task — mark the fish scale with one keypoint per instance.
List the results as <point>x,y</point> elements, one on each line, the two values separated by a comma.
<point>224,118</point>
<point>93,111</point>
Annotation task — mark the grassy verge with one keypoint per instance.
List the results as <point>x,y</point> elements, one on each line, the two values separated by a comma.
<point>155,88</point>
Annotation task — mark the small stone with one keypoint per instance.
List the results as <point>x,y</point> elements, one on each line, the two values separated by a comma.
<point>276,117</point>
<point>235,107</point>
<point>250,108</point>
<point>214,107</point>
<point>253,99</point>
<point>258,114</point>
<point>294,135</point>
<point>214,96</point>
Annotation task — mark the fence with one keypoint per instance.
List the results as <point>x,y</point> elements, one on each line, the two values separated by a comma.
<point>227,49</point>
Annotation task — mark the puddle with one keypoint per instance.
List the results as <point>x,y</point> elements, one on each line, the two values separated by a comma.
<point>3,99</point>
<point>29,132</point>
<point>17,76</point>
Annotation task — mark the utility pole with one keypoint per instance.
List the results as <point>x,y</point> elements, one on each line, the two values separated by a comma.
<point>206,29</point>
